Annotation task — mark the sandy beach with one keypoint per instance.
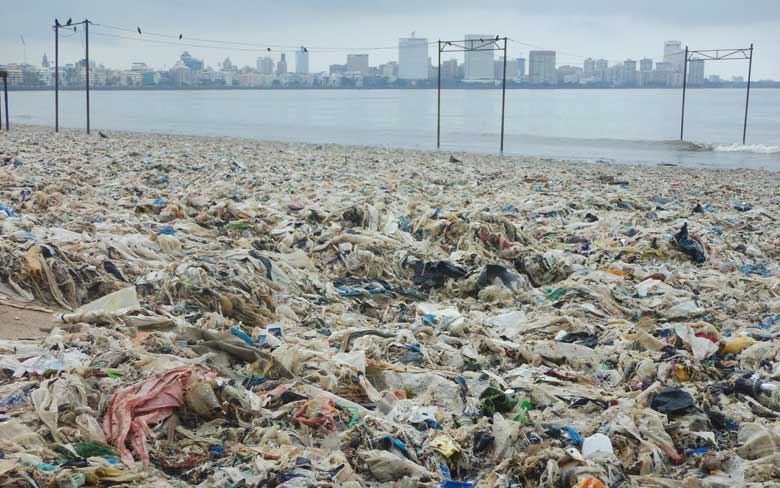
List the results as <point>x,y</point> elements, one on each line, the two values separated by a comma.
<point>494,315</point>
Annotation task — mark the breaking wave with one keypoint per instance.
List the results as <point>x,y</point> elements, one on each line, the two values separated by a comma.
<point>753,148</point>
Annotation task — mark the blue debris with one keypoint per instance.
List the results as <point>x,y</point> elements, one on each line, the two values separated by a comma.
<point>242,335</point>
<point>160,202</point>
<point>697,451</point>
<point>217,451</point>
<point>575,436</point>
<point>167,230</point>
<point>758,269</point>
<point>7,211</point>
<point>399,444</point>
<point>405,224</point>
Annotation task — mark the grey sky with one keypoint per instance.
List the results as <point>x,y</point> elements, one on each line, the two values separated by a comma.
<point>612,29</point>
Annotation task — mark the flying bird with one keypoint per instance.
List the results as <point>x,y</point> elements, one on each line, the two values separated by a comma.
<point>268,49</point>
<point>304,49</point>
<point>180,36</point>
<point>139,30</point>
<point>102,136</point>
<point>70,19</point>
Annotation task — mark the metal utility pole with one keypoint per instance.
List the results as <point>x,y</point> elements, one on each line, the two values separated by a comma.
<point>438,101</point>
<point>503,99</point>
<point>57,26</point>
<point>747,98</point>
<point>719,55</point>
<point>5,96</point>
<point>471,45</point>
<point>56,76</point>
<point>86,29</point>
<point>685,83</point>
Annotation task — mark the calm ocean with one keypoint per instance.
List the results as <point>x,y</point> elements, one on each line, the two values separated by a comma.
<point>616,125</point>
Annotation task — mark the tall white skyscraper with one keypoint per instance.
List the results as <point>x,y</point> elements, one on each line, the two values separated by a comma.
<point>541,67</point>
<point>302,62</point>
<point>412,58</point>
<point>673,53</point>
<point>478,65</point>
<point>358,62</point>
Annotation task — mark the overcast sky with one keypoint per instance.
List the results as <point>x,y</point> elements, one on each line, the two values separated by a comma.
<point>612,29</point>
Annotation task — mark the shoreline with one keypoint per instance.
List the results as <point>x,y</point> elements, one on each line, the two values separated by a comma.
<point>367,147</point>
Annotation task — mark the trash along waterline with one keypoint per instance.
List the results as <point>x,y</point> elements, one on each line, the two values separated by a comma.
<point>237,313</point>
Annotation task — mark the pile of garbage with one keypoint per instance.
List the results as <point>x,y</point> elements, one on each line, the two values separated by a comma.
<point>232,313</point>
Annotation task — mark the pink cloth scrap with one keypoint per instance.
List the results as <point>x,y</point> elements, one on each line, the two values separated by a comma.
<point>132,410</point>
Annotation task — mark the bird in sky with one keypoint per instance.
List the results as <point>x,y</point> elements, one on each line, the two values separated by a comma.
<point>139,30</point>
<point>268,49</point>
<point>69,21</point>
<point>180,36</point>
<point>304,49</point>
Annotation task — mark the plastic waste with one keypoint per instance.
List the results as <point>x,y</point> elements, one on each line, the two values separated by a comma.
<point>597,446</point>
<point>672,401</point>
<point>690,246</point>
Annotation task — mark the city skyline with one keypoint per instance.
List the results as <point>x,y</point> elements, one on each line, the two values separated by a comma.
<point>601,29</point>
<point>413,68</point>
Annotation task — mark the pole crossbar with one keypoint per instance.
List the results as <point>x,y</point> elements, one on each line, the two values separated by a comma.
<point>738,54</point>
<point>468,45</point>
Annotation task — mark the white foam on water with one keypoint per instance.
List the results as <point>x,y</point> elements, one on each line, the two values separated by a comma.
<point>753,148</point>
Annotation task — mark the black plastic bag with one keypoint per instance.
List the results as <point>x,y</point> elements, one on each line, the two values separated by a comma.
<point>691,247</point>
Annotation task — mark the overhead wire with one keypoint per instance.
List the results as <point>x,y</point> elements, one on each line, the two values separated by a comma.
<point>259,46</point>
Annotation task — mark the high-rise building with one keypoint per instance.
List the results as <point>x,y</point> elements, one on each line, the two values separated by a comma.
<point>302,61</point>
<point>281,66</point>
<point>645,71</point>
<point>629,72</point>
<point>413,58</point>
<point>521,68</point>
<point>449,69</point>
<point>589,68</point>
<point>696,72</point>
<point>45,61</point>
<point>601,72</point>
<point>265,65</point>
<point>663,74</point>
<point>541,68</point>
<point>359,63</point>
<point>478,65</point>
<point>673,53</point>
<point>512,68</point>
